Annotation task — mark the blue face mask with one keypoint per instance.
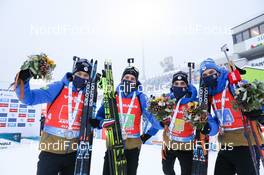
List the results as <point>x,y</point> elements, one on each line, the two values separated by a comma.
<point>179,92</point>
<point>211,80</point>
<point>79,82</point>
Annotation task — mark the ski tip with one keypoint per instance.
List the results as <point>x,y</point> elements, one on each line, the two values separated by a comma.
<point>75,58</point>
<point>91,61</point>
<point>103,73</point>
<point>224,48</point>
<point>98,78</point>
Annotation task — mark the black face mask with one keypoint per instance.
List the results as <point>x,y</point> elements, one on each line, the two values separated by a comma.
<point>127,86</point>
<point>179,92</point>
<point>79,82</point>
<point>211,80</point>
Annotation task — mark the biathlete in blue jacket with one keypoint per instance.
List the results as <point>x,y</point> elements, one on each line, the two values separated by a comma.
<point>178,137</point>
<point>59,138</point>
<point>132,106</point>
<point>234,156</point>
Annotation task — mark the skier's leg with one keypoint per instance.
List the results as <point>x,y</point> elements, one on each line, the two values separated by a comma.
<point>132,156</point>
<point>106,169</point>
<point>48,163</point>
<point>168,163</point>
<point>185,159</point>
<point>69,164</point>
<point>223,165</point>
<point>241,158</point>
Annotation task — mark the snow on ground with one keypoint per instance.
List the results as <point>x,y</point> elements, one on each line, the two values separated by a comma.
<point>23,159</point>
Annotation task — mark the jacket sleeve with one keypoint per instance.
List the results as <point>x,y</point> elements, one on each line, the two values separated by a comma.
<point>152,131</point>
<point>42,95</point>
<point>214,125</point>
<point>100,116</point>
<point>154,122</point>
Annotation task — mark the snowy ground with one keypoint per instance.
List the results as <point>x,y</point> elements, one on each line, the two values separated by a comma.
<point>23,159</point>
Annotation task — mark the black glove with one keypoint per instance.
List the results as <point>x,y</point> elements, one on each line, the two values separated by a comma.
<point>165,121</point>
<point>254,115</point>
<point>25,75</point>
<point>261,120</point>
<point>94,123</point>
<point>206,129</point>
<point>241,71</point>
<point>144,137</point>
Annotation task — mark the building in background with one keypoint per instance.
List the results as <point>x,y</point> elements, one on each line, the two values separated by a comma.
<point>248,43</point>
<point>248,48</point>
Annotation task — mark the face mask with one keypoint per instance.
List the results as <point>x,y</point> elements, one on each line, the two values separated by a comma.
<point>127,87</point>
<point>211,80</point>
<point>79,82</point>
<point>179,92</point>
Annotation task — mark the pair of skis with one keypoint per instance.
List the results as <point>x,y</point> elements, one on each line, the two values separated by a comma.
<point>235,79</point>
<point>84,152</point>
<point>114,141</point>
<point>200,154</point>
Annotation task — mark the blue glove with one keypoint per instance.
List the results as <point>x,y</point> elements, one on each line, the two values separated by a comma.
<point>214,125</point>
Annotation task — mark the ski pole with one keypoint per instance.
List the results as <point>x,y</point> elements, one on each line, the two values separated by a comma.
<point>235,79</point>
<point>75,59</point>
<point>191,67</point>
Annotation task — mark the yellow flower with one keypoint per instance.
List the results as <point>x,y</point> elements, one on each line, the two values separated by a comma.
<point>192,104</point>
<point>50,61</point>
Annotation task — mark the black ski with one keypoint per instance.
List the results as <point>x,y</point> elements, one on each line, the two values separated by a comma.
<point>200,154</point>
<point>84,152</point>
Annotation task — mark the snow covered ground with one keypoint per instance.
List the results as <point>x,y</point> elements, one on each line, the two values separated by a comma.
<point>22,159</point>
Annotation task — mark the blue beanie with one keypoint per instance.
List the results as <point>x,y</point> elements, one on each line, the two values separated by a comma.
<point>209,63</point>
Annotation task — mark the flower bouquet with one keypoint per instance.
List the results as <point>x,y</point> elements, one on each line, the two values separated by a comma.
<point>196,115</point>
<point>40,66</point>
<point>249,96</point>
<point>161,107</point>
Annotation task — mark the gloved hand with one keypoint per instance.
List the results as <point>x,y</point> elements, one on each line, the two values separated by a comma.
<point>241,71</point>
<point>254,115</point>
<point>95,123</point>
<point>206,129</point>
<point>144,137</point>
<point>107,123</point>
<point>25,75</point>
<point>165,121</point>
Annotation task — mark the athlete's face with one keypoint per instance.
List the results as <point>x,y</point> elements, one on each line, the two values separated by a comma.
<point>179,83</point>
<point>82,74</point>
<point>130,77</point>
<point>209,72</point>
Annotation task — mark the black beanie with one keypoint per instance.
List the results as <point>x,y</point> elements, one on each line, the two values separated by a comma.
<point>180,76</point>
<point>131,70</point>
<point>82,65</point>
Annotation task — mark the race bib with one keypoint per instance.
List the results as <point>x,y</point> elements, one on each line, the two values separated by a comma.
<point>179,125</point>
<point>228,118</point>
<point>127,121</point>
